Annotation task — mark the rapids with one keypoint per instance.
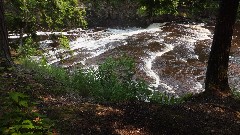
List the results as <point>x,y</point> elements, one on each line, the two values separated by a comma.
<point>171,57</point>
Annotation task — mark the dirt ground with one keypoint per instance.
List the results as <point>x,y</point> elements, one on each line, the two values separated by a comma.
<point>75,115</point>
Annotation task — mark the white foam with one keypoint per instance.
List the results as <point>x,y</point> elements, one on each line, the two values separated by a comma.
<point>96,46</point>
<point>113,35</point>
<point>194,33</point>
<point>198,87</point>
<point>14,36</point>
<point>96,43</point>
<point>198,32</point>
<point>66,33</point>
<point>155,26</point>
<point>149,71</point>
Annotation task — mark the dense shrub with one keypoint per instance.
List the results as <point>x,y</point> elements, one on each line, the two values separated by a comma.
<point>112,81</point>
<point>20,116</point>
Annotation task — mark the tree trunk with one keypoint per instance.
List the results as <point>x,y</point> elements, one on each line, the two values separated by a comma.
<point>217,70</point>
<point>4,48</point>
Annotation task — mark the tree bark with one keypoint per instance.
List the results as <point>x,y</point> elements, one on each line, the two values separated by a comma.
<point>217,70</point>
<point>4,47</point>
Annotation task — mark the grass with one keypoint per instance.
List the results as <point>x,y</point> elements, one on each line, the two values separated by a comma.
<point>112,81</point>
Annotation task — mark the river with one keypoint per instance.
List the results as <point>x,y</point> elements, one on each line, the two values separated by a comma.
<point>171,57</point>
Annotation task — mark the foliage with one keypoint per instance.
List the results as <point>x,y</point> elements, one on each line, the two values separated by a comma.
<point>112,81</point>
<point>236,93</point>
<point>158,7</point>
<point>204,8</point>
<point>164,98</point>
<point>151,8</point>
<point>64,42</point>
<point>21,117</point>
<point>188,7</point>
<point>46,71</point>
<point>29,48</point>
<point>31,15</point>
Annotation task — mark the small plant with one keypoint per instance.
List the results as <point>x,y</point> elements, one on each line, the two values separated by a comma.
<point>20,117</point>
<point>115,82</point>
<point>236,93</point>
<point>29,48</point>
<point>45,70</point>
<point>64,42</point>
<point>164,98</point>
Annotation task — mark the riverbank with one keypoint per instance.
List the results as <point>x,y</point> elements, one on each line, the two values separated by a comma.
<point>79,115</point>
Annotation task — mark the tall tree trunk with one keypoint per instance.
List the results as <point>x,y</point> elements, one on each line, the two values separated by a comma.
<point>217,70</point>
<point>4,48</point>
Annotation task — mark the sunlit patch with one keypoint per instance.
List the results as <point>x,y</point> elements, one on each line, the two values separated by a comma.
<point>37,119</point>
<point>104,111</point>
<point>130,131</point>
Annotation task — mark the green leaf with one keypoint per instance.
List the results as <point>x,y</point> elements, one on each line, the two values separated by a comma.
<point>10,69</point>
<point>15,127</point>
<point>18,119</point>
<point>15,96</point>
<point>27,124</point>
<point>23,103</point>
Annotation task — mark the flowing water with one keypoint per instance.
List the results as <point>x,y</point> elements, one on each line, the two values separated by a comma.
<point>171,57</point>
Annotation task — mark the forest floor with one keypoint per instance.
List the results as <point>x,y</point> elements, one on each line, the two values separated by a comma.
<point>75,115</point>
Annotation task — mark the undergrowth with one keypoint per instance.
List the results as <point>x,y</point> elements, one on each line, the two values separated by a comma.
<point>20,116</point>
<point>112,81</point>
<point>164,98</point>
